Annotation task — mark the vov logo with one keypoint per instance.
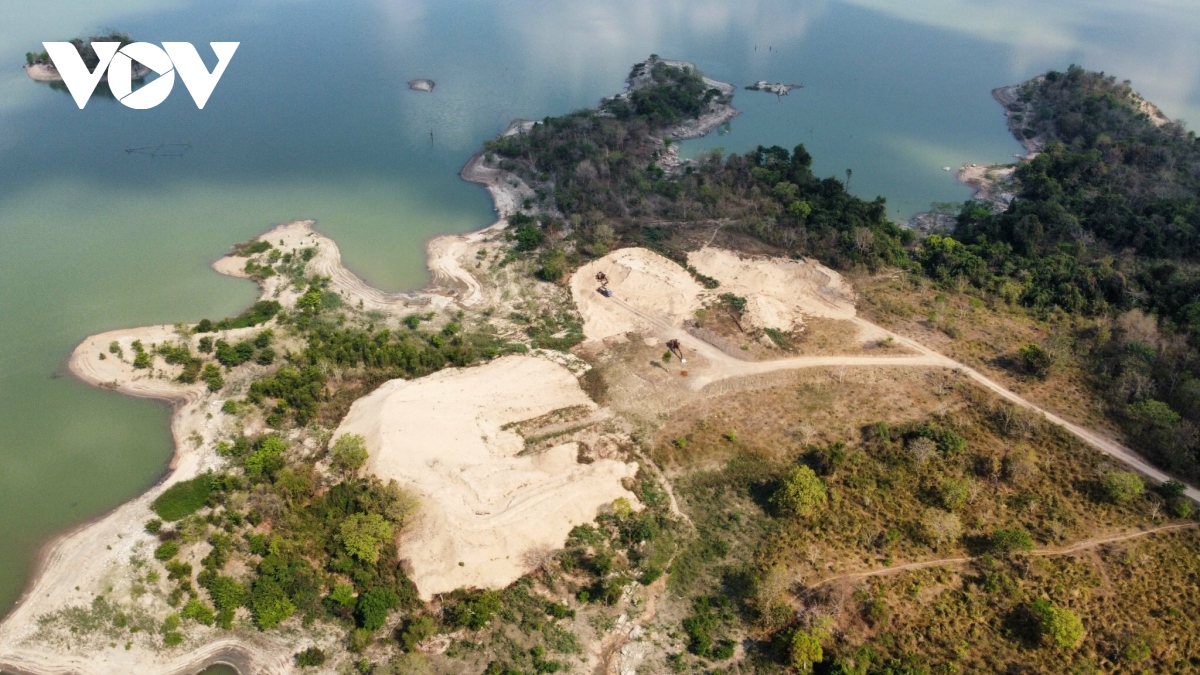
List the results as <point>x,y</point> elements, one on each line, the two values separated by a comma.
<point>179,57</point>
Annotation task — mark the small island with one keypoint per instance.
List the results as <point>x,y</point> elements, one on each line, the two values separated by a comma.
<point>421,84</point>
<point>778,88</point>
<point>40,68</point>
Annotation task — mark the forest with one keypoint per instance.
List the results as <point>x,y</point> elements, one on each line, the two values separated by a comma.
<point>600,176</point>
<point>1106,225</point>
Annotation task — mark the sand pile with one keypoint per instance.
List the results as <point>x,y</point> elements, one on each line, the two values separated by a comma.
<point>779,292</point>
<point>649,292</point>
<point>483,507</point>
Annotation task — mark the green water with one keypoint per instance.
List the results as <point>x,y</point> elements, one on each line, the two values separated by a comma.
<point>313,119</point>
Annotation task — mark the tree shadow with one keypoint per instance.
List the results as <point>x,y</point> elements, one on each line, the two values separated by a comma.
<point>1021,626</point>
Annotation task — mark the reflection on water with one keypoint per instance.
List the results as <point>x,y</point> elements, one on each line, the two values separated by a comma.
<point>1156,44</point>
<point>313,119</point>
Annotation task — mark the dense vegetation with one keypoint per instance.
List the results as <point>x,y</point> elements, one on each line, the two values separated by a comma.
<point>1106,225</point>
<point>599,182</point>
<point>183,498</point>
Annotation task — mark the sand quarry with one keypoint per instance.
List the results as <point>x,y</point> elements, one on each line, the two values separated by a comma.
<point>485,506</point>
<point>651,293</point>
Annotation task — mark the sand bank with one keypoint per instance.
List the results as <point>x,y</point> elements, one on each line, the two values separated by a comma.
<point>485,506</point>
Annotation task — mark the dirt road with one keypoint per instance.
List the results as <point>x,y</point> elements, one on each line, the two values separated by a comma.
<point>1044,552</point>
<point>714,365</point>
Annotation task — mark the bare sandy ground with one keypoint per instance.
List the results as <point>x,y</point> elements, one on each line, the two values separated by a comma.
<point>96,555</point>
<point>707,364</point>
<point>779,292</point>
<point>658,288</point>
<point>484,505</point>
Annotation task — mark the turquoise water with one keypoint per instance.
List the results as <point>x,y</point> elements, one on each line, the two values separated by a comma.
<point>313,119</point>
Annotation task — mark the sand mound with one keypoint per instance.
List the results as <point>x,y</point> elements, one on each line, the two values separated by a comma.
<point>483,507</point>
<point>648,292</point>
<point>779,292</point>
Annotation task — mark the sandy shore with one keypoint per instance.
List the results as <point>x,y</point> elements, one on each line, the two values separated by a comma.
<point>96,556</point>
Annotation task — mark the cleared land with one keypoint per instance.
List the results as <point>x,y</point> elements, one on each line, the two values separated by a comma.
<point>485,505</point>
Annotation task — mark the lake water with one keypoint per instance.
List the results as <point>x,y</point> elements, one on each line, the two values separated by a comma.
<point>313,119</point>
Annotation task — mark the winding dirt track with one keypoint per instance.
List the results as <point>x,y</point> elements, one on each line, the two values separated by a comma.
<point>1044,552</point>
<point>722,366</point>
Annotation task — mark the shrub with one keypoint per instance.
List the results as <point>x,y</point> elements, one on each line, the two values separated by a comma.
<point>1122,487</point>
<point>553,266</point>
<point>143,360</point>
<point>227,593</point>
<point>212,377</point>
<point>166,550</point>
<point>310,657</point>
<point>373,607</point>
<point>801,494</point>
<point>1057,626</point>
<point>349,453</point>
<point>198,612</point>
<point>266,459</point>
<point>183,498</point>
<point>417,631</point>
<point>1010,540</point>
<point>528,237</point>
<point>475,611</point>
<point>154,525</point>
<point>1035,360</point>
<point>342,596</point>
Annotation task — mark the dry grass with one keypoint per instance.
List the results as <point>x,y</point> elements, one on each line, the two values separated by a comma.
<point>987,337</point>
<point>1137,600</point>
<point>728,452</point>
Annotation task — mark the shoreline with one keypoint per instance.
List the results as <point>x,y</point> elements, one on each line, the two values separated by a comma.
<point>449,282</point>
<point>62,563</point>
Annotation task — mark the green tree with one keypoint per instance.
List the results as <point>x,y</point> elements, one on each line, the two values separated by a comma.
<point>267,458</point>
<point>1122,487</point>
<point>805,651</point>
<point>1058,626</point>
<point>954,493</point>
<point>269,603</point>
<point>373,607</point>
<point>349,453</point>
<point>363,534</point>
<point>801,494</point>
